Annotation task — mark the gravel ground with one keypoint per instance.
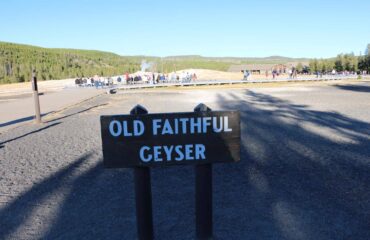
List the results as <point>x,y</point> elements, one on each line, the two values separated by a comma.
<point>304,172</point>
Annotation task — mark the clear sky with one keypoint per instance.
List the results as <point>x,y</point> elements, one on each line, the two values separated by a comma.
<point>314,28</point>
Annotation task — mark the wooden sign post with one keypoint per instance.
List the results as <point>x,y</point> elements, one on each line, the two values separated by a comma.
<point>141,140</point>
<point>203,193</point>
<point>143,193</point>
<point>36,97</point>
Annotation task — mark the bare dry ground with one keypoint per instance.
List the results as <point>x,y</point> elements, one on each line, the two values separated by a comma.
<point>26,87</point>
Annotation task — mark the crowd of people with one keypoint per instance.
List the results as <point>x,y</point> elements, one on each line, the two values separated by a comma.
<point>94,82</point>
<point>187,77</point>
<point>146,77</point>
<point>292,73</point>
<point>155,78</point>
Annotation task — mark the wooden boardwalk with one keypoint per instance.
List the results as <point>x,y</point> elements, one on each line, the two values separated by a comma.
<point>141,85</point>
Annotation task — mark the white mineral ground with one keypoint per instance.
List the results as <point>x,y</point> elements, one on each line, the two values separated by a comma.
<point>57,85</point>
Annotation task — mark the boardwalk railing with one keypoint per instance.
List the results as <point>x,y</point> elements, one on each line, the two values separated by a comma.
<point>226,82</point>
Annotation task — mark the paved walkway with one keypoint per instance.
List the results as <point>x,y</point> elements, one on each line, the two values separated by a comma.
<point>303,174</point>
<point>21,110</point>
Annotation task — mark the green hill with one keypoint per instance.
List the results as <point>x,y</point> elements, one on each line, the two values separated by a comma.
<point>17,61</point>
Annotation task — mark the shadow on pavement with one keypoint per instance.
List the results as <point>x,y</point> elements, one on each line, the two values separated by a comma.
<point>35,131</point>
<point>89,204</point>
<point>25,119</point>
<point>100,206</point>
<point>355,88</point>
<point>19,210</point>
<point>81,111</point>
<point>304,175</point>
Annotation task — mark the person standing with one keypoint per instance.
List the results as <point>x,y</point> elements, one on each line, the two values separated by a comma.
<point>290,72</point>
<point>194,77</point>
<point>246,75</point>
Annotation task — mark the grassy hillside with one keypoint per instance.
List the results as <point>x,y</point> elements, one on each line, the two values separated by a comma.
<point>17,60</point>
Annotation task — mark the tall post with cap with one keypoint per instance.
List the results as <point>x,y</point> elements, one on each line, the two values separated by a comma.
<point>36,97</point>
<point>143,194</point>
<point>203,193</point>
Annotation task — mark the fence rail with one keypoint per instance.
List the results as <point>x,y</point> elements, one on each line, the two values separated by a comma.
<point>224,82</point>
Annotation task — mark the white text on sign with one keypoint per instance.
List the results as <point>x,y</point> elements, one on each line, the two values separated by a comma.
<point>170,127</point>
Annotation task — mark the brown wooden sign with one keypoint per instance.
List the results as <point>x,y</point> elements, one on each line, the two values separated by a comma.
<point>151,140</point>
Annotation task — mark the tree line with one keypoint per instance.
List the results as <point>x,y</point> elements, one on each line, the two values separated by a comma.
<point>343,62</point>
<point>17,62</point>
